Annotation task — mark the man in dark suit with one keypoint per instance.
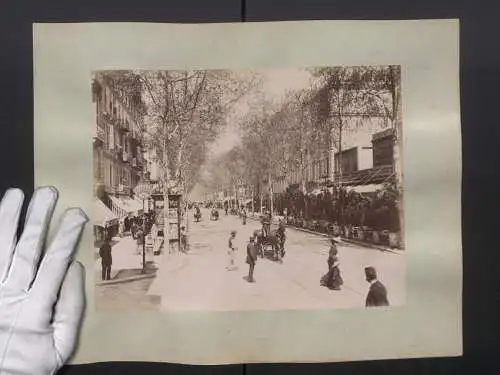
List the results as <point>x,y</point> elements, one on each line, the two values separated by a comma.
<point>106,259</point>
<point>377,295</point>
<point>252,252</point>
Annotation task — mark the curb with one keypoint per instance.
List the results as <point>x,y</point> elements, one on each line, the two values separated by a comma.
<point>126,279</point>
<point>348,240</point>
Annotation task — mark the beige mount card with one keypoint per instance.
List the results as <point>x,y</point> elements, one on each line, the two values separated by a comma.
<point>313,172</point>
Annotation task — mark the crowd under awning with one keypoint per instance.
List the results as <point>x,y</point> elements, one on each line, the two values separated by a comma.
<point>103,216</point>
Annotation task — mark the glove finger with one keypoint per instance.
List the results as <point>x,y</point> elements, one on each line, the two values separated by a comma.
<point>55,262</point>
<point>29,248</point>
<point>69,310</point>
<point>10,211</point>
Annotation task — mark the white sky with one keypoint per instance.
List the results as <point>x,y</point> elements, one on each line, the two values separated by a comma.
<point>275,84</point>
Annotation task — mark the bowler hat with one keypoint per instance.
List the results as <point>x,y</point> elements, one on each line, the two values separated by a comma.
<point>370,272</point>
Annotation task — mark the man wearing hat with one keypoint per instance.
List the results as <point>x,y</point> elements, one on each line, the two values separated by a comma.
<point>377,295</point>
<point>251,258</point>
<point>231,251</point>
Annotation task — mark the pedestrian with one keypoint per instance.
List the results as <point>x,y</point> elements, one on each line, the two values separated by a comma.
<point>251,258</point>
<point>140,240</point>
<point>377,295</point>
<point>106,259</point>
<point>184,244</point>
<point>244,215</point>
<point>231,252</point>
<point>281,236</point>
<point>332,254</point>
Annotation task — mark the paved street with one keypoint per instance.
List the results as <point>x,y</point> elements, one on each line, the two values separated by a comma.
<point>199,280</point>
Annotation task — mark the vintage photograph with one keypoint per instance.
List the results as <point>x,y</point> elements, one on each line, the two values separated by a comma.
<point>269,189</point>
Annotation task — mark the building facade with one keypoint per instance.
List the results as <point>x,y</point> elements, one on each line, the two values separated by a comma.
<point>118,157</point>
<point>367,158</point>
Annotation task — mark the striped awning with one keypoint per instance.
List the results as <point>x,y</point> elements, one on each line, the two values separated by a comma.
<point>120,208</point>
<point>102,215</point>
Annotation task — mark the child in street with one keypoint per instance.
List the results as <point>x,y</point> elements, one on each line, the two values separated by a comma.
<point>231,252</point>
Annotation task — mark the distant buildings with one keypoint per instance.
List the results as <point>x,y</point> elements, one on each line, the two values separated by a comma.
<point>367,158</point>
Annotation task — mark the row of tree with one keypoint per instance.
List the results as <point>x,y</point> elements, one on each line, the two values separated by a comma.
<point>280,137</point>
<point>180,114</point>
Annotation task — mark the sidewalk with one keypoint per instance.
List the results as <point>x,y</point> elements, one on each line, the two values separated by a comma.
<point>126,261</point>
<point>174,262</point>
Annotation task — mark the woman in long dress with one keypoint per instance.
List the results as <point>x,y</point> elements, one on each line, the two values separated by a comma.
<point>333,278</point>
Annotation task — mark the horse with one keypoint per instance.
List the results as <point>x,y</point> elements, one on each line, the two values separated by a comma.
<point>274,241</point>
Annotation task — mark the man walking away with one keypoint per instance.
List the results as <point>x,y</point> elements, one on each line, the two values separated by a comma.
<point>106,259</point>
<point>251,258</point>
<point>377,295</point>
<point>231,252</point>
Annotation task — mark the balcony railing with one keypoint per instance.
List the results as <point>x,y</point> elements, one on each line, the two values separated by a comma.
<point>123,189</point>
<point>99,134</point>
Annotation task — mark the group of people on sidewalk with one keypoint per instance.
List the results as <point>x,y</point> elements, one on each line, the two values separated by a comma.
<point>377,294</point>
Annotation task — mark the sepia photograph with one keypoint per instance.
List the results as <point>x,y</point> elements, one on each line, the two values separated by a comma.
<point>233,190</point>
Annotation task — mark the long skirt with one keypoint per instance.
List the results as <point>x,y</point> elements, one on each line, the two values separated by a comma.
<point>332,279</point>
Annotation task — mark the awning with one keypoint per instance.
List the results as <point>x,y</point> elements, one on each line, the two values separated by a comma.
<point>248,201</point>
<point>120,207</point>
<point>365,188</point>
<point>134,205</point>
<point>102,215</point>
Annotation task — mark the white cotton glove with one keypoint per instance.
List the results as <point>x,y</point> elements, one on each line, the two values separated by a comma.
<point>41,302</point>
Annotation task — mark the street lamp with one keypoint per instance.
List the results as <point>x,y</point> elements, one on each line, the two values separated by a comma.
<point>143,191</point>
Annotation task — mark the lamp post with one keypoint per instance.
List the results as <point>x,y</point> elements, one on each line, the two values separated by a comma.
<point>143,191</point>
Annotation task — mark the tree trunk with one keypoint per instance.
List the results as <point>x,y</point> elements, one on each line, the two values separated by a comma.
<point>253,197</point>
<point>341,196</point>
<point>271,203</point>
<point>331,153</point>
<point>261,197</point>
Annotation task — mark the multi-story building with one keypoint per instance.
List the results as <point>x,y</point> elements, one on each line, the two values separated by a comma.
<point>117,150</point>
<point>366,159</point>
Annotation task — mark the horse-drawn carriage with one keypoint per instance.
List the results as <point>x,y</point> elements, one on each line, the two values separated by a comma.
<point>272,244</point>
